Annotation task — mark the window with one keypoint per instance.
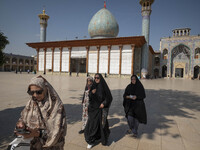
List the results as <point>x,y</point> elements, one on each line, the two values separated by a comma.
<point>165,54</point>
<point>197,53</point>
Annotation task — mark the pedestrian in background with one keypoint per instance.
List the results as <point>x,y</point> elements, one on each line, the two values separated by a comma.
<point>134,105</point>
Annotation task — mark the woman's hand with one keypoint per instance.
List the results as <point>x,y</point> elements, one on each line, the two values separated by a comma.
<point>101,106</point>
<point>33,133</point>
<point>134,97</point>
<point>94,91</point>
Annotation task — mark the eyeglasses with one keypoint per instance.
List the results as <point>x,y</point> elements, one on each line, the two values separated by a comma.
<point>39,92</point>
<point>96,78</point>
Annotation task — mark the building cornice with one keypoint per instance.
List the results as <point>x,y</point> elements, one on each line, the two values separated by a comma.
<point>138,41</point>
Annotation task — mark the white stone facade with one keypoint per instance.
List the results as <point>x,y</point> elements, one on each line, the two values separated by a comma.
<point>81,52</point>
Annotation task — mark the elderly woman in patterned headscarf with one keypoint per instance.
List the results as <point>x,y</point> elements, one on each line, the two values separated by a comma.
<point>43,116</point>
<point>85,103</point>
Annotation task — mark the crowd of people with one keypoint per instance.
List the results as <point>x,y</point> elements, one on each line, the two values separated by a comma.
<point>43,120</point>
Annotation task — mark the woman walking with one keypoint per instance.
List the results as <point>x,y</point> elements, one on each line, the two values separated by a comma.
<point>100,98</point>
<point>85,103</point>
<point>134,105</point>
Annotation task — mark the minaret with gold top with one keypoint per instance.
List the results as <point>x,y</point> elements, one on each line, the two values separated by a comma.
<point>146,12</point>
<point>43,25</point>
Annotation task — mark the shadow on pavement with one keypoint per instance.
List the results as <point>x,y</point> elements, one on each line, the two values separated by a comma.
<point>160,105</point>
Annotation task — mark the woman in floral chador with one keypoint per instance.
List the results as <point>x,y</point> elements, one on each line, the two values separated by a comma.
<point>85,103</point>
<point>44,117</point>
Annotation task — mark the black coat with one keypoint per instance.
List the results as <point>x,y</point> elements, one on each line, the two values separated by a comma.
<point>135,108</point>
<point>97,128</point>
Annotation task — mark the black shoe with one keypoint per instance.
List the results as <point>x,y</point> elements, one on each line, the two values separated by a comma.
<point>81,131</point>
<point>129,131</point>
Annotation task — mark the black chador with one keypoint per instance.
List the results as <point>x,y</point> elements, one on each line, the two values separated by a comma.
<point>97,128</point>
<point>135,108</point>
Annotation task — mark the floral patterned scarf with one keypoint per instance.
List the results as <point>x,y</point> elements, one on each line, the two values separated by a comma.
<point>48,114</point>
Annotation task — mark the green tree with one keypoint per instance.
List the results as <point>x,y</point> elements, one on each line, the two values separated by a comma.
<point>3,43</point>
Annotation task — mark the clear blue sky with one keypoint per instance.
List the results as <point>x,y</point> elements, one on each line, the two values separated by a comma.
<point>70,18</point>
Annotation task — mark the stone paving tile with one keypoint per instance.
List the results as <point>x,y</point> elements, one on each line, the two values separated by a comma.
<point>143,145</point>
<point>172,145</point>
<point>129,142</point>
<point>191,145</point>
<point>70,146</point>
<point>124,147</point>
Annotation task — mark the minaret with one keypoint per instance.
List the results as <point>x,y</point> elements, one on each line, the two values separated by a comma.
<point>43,25</point>
<point>146,12</point>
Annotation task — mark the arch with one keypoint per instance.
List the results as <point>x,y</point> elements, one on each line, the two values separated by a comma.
<point>185,32</point>
<point>165,54</point>
<point>196,72</point>
<point>197,53</point>
<point>14,60</point>
<point>27,62</point>
<point>164,71</point>
<point>181,48</point>
<point>181,33</point>
<point>7,68</point>
<point>7,60</point>
<point>21,61</point>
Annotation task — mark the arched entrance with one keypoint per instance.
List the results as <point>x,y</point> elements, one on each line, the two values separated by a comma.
<point>164,71</point>
<point>196,72</point>
<point>180,60</point>
<point>179,70</point>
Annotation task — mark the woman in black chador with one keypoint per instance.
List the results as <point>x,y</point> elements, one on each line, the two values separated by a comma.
<point>100,98</point>
<point>134,106</point>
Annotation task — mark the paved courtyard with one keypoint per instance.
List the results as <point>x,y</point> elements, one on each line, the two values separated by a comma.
<point>173,109</point>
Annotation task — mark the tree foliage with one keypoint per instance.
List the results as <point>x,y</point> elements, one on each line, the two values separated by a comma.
<point>3,43</point>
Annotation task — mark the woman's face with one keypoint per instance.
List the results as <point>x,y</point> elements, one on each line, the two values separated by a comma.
<point>37,93</point>
<point>89,81</point>
<point>97,78</point>
<point>133,80</point>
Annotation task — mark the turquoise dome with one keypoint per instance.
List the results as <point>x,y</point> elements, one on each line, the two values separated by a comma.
<point>103,25</point>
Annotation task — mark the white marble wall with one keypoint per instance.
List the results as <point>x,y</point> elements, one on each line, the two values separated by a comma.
<point>81,52</point>
<point>41,60</point>
<point>92,62</point>
<point>114,59</point>
<point>126,59</point>
<point>103,60</point>
<point>49,58</point>
<point>56,66</point>
<point>65,59</point>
